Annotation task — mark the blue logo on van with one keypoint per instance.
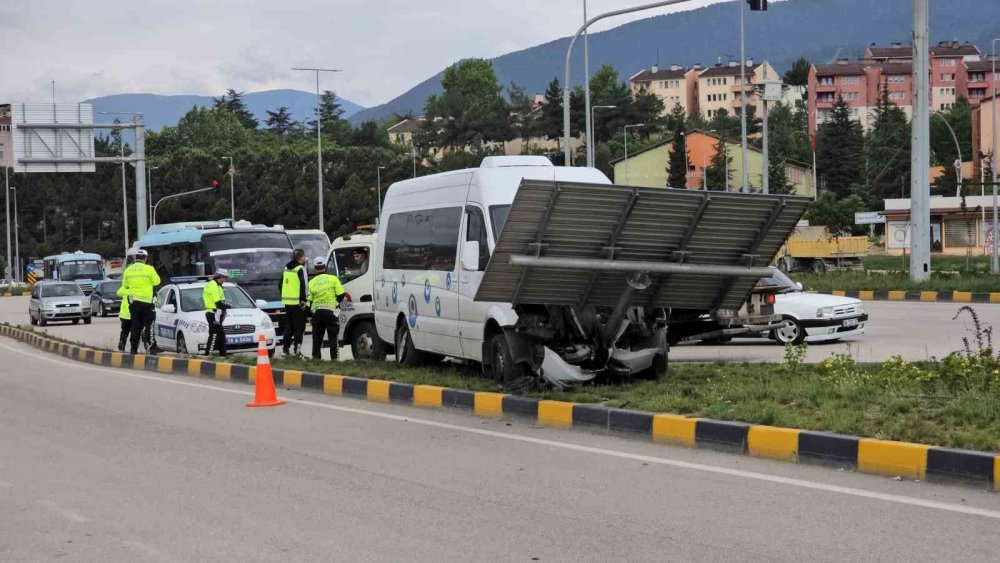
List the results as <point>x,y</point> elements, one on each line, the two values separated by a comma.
<point>412,305</point>
<point>427,291</point>
<point>395,293</point>
<point>447,281</point>
<point>437,306</point>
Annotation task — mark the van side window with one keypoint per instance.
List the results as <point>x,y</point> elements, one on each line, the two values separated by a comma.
<point>476,230</point>
<point>425,239</point>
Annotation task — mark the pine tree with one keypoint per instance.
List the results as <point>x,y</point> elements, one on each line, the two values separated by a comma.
<point>233,101</point>
<point>330,112</point>
<point>777,177</point>
<point>798,74</point>
<point>677,169</point>
<point>279,122</point>
<point>522,114</point>
<point>719,167</point>
<point>887,151</point>
<point>677,118</point>
<point>552,112</point>
<point>840,150</point>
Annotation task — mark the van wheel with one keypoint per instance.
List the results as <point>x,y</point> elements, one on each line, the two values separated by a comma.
<point>511,377</point>
<point>365,343</point>
<point>406,353</point>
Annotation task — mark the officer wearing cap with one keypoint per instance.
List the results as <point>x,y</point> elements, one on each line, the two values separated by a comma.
<point>325,294</point>
<point>214,297</point>
<point>295,298</point>
<point>138,282</point>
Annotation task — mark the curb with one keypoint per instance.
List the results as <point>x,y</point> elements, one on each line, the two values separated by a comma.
<point>924,296</point>
<point>865,455</point>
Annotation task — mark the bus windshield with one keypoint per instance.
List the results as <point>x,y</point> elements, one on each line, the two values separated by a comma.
<point>81,270</point>
<point>315,245</point>
<point>254,260</point>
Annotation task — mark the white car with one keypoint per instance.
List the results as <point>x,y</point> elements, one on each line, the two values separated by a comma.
<point>812,317</point>
<point>181,325</point>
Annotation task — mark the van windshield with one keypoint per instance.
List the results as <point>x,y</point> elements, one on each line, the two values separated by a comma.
<point>498,216</point>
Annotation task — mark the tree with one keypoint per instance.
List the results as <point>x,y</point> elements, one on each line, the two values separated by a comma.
<point>788,133</point>
<point>959,116</point>
<point>777,177</point>
<point>369,134</point>
<point>836,214</point>
<point>647,108</point>
<point>522,114</point>
<point>887,151</point>
<point>471,110</point>
<point>233,101</point>
<point>840,150</point>
<point>720,170</point>
<point>551,122</point>
<point>677,118</point>
<point>798,74</point>
<point>607,89</point>
<point>725,125</point>
<point>330,112</point>
<point>279,122</point>
<point>677,169</point>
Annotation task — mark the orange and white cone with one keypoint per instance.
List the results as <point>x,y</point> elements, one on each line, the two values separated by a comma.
<point>264,393</point>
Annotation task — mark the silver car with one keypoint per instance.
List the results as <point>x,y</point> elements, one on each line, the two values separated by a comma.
<point>57,302</point>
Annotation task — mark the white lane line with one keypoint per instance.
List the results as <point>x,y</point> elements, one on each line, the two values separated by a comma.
<point>64,512</point>
<point>790,481</point>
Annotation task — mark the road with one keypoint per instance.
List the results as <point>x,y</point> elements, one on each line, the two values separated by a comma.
<point>916,331</point>
<point>115,465</point>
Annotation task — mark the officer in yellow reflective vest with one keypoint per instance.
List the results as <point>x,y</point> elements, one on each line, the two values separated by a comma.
<point>325,294</point>
<point>214,298</point>
<point>295,298</point>
<point>125,318</point>
<point>138,281</point>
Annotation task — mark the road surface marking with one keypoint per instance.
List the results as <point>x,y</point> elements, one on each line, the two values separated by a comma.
<point>64,512</point>
<point>789,481</point>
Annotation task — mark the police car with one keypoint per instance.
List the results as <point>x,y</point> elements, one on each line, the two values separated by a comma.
<point>181,326</point>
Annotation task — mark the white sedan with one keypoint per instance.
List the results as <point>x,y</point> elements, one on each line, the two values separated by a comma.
<point>181,325</point>
<point>812,317</point>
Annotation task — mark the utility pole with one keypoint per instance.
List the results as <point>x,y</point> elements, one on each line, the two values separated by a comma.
<point>232,191</point>
<point>8,275</point>
<point>920,214</point>
<point>319,139</point>
<point>743,102</point>
<point>140,175</point>
<point>586,90</point>
<point>995,263</point>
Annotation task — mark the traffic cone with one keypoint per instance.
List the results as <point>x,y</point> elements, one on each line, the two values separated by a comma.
<point>264,393</point>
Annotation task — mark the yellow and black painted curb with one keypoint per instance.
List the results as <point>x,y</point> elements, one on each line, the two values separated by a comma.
<point>924,296</point>
<point>866,455</point>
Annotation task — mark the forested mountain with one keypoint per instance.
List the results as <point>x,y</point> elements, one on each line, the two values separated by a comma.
<point>158,111</point>
<point>816,29</point>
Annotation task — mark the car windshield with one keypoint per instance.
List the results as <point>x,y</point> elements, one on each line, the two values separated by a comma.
<point>81,270</point>
<point>351,264</point>
<point>110,288</point>
<point>498,216</point>
<point>778,280</point>
<point>257,271</point>
<point>315,245</point>
<point>193,299</point>
<point>61,290</point>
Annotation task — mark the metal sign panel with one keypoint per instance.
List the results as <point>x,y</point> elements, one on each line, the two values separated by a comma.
<point>46,131</point>
<point>702,250</point>
<point>869,218</point>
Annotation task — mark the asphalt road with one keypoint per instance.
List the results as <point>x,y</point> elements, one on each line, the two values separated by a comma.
<point>115,465</point>
<point>916,331</point>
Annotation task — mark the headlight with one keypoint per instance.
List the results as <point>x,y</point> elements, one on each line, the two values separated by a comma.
<point>861,308</point>
<point>198,327</point>
<point>267,324</point>
<point>824,312</point>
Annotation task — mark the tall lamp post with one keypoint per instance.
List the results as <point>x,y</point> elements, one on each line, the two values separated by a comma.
<point>9,274</point>
<point>378,191</point>
<point>232,192</point>
<point>995,263</point>
<point>628,178</point>
<point>149,187</point>
<point>593,135</point>
<point>319,139</point>
<point>16,267</point>
<point>920,213</point>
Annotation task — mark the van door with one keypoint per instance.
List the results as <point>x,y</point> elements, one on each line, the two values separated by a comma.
<point>472,314</point>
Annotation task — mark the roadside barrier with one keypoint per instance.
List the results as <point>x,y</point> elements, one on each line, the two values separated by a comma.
<point>865,455</point>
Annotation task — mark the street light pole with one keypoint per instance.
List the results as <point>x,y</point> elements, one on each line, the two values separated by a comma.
<point>586,90</point>
<point>149,187</point>
<point>232,191</point>
<point>8,275</point>
<point>593,134</point>
<point>171,196</point>
<point>378,193</point>
<point>995,263</point>
<point>958,151</point>
<point>125,201</point>
<point>16,268</point>
<point>567,149</point>
<point>319,140</point>
<point>628,178</point>
<point>920,245</point>
<point>743,102</point>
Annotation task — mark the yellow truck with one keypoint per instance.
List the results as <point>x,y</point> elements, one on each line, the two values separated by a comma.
<point>814,249</point>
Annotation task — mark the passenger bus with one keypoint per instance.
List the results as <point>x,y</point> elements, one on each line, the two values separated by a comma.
<point>314,242</point>
<point>254,255</point>
<point>86,269</point>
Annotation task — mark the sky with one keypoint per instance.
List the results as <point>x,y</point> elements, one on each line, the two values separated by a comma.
<point>103,47</point>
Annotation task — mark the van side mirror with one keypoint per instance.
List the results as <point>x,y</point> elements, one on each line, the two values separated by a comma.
<point>470,255</point>
<point>168,309</point>
<point>798,285</point>
<point>261,303</point>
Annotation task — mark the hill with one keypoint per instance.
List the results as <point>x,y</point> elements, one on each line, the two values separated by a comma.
<point>158,110</point>
<point>816,29</point>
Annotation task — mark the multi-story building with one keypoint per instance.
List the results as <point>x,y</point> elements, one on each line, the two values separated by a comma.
<point>719,86</point>
<point>6,138</point>
<point>676,86</point>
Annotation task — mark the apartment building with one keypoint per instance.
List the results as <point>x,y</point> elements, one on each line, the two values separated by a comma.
<point>6,138</point>
<point>719,86</point>
<point>676,86</point>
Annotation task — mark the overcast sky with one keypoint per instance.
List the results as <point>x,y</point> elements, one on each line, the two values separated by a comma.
<point>205,46</point>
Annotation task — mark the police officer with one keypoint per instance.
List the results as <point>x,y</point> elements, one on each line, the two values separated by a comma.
<point>214,297</point>
<point>124,317</point>
<point>325,293</point>
<point>295,298</point>
<point>138,281</point>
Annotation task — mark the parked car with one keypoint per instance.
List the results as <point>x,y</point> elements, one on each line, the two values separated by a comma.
<point>57,302</point>
<point>104,301</point>
<point>812,317</point>
<point>181,326</point>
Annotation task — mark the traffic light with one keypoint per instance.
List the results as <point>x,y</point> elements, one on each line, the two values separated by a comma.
<point>215,183</point>
<point>757,5</point>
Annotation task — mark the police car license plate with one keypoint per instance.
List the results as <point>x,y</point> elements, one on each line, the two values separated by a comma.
<point>850,322</point>
<point>239,340</point>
